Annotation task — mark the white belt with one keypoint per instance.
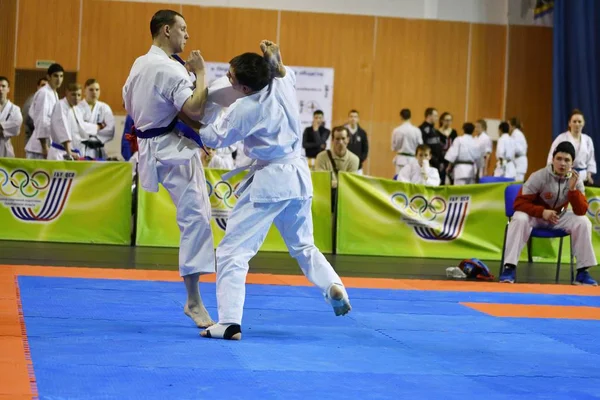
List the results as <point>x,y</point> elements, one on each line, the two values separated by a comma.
<point>258,164</point>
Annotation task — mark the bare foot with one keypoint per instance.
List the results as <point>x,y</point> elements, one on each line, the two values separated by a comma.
<point>340,302</point>
<point>199,315</point>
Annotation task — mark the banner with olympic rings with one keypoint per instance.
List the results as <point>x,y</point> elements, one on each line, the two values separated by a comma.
<point>157,226</point>
<point>65,201</point>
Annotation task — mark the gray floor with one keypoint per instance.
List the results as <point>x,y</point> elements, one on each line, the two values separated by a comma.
<point>126,257</point>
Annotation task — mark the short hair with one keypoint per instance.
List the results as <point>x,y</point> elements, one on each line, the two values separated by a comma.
<point>405,113</point>
<point>54,68</point>
<point>482,123</point>
<point>424,148</point>
<point>251,70</point>
<point>3,78</point>
<point>73,87</point>
<point>442,117</point>
<point>89,82</point>
<point>516,122</point>
<point>468,128</point>
<point>504,127</point>
<point>353,111</point>
<point>42,80</point>
<point>339,129</point>
<point>162,18</point>
<point>429,111</point>
<point>318,112</point>
<point>565,147</point>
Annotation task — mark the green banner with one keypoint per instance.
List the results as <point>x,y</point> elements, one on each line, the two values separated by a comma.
<point>157,226</point>
<point>65,201</point>
<point>389,218</point>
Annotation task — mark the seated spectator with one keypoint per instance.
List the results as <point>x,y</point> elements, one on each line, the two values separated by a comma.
<point>418,169</point>
<point>543,202</point>
<point>339,158</point>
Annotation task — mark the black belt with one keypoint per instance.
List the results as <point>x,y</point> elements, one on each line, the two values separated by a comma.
<point>406,154</point>
<point>464,162</point>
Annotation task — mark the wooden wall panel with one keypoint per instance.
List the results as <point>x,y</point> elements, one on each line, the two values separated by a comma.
<point>486,83</point>
<point>529,95</point>
<point>342,42</point>
<point>8,19</point>
<point>48,30</point>
<point>113,35</point>
<point>419,64</point>
<point>223,33</point>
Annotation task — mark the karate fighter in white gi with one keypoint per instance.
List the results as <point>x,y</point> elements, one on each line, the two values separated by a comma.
<point>10,119</point>
<point>158,89</point>
<point>278,188</point>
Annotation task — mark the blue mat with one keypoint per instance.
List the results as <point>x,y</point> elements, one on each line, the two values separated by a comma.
<point>111,339</point>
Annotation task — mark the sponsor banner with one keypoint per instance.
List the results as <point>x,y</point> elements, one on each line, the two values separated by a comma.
<point>65,201</point>
<point>389,218</point>
<point>157,226</point>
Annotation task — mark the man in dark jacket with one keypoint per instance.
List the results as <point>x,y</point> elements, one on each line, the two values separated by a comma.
<point>359,143</point>
<point>314,138</point>
<point>431,137</point>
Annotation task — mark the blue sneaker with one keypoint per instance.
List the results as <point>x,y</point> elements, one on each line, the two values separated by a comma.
<point>583,278</point>
<point>508,275</point>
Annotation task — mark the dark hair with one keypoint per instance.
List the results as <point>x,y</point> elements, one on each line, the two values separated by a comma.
<point>482,123</point>
<point>516,122</point>
<point>405,113</point>
<point>423,147</point>
<point>54,68</point>
<point>162,18</point>
<point>575,112</point>
<point>442,117</point>
<point>429,111</point>
<point>565,147</point>
<point>504,127</point>
<point>339,129</point>
<point>468,128</point>
<point>353,111</point>
<point>89,82</point>
<point>251,70</point>
<point>318,112</point>
<point>73,87</point>
<point>42,80</point>
<point>3,78</point>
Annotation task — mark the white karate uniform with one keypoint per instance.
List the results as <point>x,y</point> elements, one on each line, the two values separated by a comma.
<point>218,162</point>
<point>278,189</point>
<point>464,153</point>
<point>154,93</point>
<point>241,158</point>
<point>486,146</point>
<point>520,153</point>
<point>405,139</point>
<point>585,159</point>
<point>67,126</point>
<point>101,113</point>
<point>10,121</point>
<point>41,110</point>
<point>225,155</point>
<point>505,156</point>
<point>414,173</point>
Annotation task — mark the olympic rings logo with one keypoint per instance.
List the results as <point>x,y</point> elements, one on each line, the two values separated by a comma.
<point>19,181</point>
<point>418,205</point>
<point>593,210</point>
<point>224,192</point>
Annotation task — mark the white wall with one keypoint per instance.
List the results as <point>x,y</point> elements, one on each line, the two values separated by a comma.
<point>476,11</point>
